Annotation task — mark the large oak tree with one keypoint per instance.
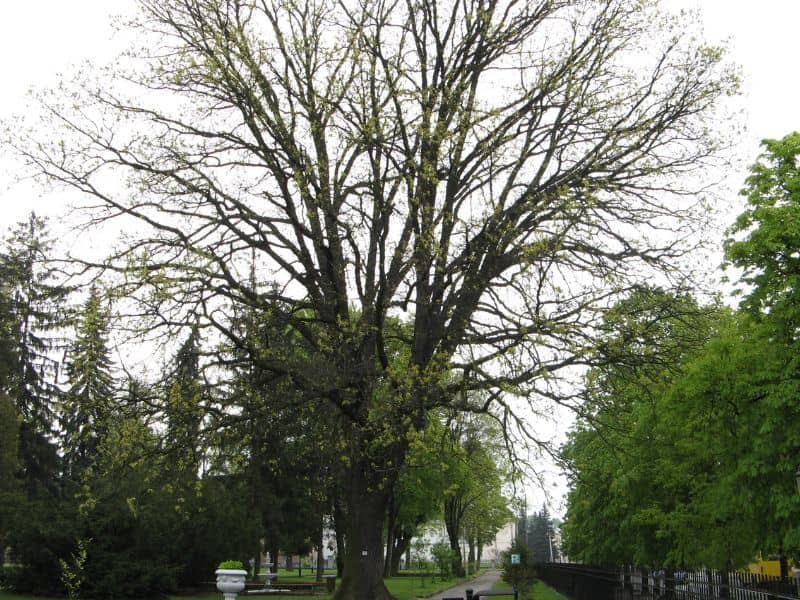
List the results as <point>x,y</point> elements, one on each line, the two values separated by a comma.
<point>493,172</point>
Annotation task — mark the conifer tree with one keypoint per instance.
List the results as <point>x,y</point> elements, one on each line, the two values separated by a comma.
<point>183,408</point>
<point>33,314</point>
<point>10,491</point>
<point>540,535</point>
<point>89,398</point>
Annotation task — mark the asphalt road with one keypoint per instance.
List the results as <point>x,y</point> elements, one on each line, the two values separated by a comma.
<point>484,582</point>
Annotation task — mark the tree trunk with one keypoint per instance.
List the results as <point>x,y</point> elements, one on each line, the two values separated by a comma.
<point>783,562</point>
<point>479,557</point>
<point>402,546</point>
<point>458,560</point>
<point>391,535</point>
<point>471,554</point>
<point>452,523</point>
<point>724,584</point>
<point>363,559</point>
<point>339,523</point>
<point>273,555</point>
<point>320,553</point>
<point>257,564</point>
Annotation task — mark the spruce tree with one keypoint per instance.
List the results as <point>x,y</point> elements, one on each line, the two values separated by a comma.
<point>89,399</point>
<point>10,491</point>
<point>184,410</point>
<point>33,315</point>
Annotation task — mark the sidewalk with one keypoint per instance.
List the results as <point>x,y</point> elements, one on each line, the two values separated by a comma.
<point>483,582</point>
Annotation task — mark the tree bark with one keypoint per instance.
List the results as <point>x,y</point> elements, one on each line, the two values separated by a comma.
<point>402,546</point>
<point>257,554</point>
<point>363,558</point>
<point>274,549</point>
<point>391,536</point>
<point>471,554</point>
<point>320,553</point>
<point>458,560</point>
<point>669,583</point>
<point>783,562</point>
<point>339,523</point>
<point>452,522</point>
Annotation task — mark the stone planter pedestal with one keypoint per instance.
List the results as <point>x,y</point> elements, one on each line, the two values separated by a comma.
<point>230,582</point>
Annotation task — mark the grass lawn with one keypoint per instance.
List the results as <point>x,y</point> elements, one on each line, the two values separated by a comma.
<point>408,588</point>
<point>541,591</point>
<point>403,588</point>
<point>10,596</point>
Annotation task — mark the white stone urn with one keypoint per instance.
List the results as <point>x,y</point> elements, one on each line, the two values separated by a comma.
<point>230,582</point>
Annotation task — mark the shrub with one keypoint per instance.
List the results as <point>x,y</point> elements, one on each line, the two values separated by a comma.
<point>9,576</point>
<point>443,557</point>
<point>231,564</point>
<point>522,575</point>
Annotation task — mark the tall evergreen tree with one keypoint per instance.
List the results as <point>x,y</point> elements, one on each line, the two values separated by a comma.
<point>33,314</point>
<point>185,402</point>
<point>540,534</point>
<point>7,346</point>
<point>10,491</point>
<point>183,408</point>
<point>279,441</point>
<point>88,400</point>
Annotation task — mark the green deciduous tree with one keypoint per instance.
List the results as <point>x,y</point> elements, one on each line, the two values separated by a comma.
<point>688,460</point>
<point>765,238</point>
<point>764,243</point>
<point>376,158</point>
<point>418,492</point>
<point>721,462</point>
<point>624,454</point>
<point>474,480</point>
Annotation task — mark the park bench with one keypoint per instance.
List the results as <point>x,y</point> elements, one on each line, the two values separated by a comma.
<point>484,594</point>
<point>273,586</point>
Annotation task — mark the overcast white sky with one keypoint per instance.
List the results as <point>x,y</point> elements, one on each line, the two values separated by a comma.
<point>40,39</point>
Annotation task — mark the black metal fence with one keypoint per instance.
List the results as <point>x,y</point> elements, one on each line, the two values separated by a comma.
<point>585,582</point>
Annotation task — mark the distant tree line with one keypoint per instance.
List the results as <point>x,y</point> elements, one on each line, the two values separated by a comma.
<point>688,452</point>
<point>537,531</point>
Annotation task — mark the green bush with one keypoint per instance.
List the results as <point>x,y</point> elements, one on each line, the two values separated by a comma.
<point>522,575</point>
<point>8,578</point>
<point>231,564</point>
<point>136,578</point>
<point>443,557</point>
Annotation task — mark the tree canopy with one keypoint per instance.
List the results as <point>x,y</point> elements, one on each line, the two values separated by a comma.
<point>692,460</point>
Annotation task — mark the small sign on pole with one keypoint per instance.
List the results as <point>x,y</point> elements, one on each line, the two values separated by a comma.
<point>515,559</point>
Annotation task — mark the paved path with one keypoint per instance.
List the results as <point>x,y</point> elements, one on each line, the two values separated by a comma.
<point>483,582</point>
